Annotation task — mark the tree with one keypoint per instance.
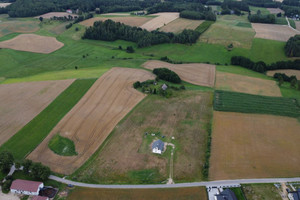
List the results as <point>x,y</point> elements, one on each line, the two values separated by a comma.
<point>27,165</point>
<point>18,165</point>
<point>40,171</point>
<point>41,19</point>
<point>129,49</point>
<point>280,80</point>
<point>137,84</point>
<point>293,83</point>
<point>6,161</point>
<point>6,186</point>
<point>292,47</point>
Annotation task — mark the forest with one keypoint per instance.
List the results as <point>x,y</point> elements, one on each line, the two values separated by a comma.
<point>206,15</point>
<point>259,18</point>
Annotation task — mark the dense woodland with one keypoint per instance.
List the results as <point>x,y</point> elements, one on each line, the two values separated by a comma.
<point>259,18</point>
<point>206,15</point>
<point>292,47</point>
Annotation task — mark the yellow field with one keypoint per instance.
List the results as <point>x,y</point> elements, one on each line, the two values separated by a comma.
<point>178,25</point>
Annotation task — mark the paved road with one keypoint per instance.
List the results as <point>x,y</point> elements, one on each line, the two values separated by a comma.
<point>178,185</point>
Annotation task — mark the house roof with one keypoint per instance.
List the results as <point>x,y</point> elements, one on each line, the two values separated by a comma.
<point>30,186</point>
<point>296,194</point>
<point>39,198</point>
<point>158,144</point>
<point>226,194</point>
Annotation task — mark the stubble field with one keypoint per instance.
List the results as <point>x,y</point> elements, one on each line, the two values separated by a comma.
<point>178,25</point>
<point>254,146</point>
<point>273,32</point>
<point>20,103</point>
<point>195,73</point>
<point>289,72</point>
<point>128,20</point>
<point>93,118</point>
<point>161,20</point>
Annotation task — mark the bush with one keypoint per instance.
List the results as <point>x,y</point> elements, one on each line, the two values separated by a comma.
<point>137,84</point>
<point>167,75</point>
<point>69,26</point>
<point>130,49</point>
<point>6,186</point>
<point>292,47</point>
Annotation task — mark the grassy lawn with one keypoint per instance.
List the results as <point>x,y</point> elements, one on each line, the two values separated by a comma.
<point>31,135</point>
<point>62,146</point>
<point>246,103</point>
<point>261,191</point>
<point>263,11</point>
<point>238,193</point>
<point>289,92</point>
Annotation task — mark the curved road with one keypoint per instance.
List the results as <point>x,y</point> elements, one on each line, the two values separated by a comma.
<point>178,185</point>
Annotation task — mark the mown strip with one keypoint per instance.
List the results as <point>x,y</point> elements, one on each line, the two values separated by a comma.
<point>247,103</point>
<point>204,26</point>
<point>31,135</point>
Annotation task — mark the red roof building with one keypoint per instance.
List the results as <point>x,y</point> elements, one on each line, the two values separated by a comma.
<point>26,187</point>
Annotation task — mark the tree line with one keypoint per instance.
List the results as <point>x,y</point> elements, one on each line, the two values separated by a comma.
<point>205,15</point>
<point>292,47</point>
<point>259,18</point>
<point>111,31</point>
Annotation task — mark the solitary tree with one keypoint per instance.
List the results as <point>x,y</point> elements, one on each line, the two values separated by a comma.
<point>41,19</point>
<point>280,80</point>
<point>293,83</point>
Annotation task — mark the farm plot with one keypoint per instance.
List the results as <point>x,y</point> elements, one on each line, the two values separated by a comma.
<point>32,43</point>
<point>160,21</point>
<point>178,25</point>
<point>130,21</point>
<point>195,73</point>
<point>93,118</point>
<point>20,103</point>
<point>254,146</point>
<point>261,191</point>
<point>17,26</point>
<point>289,72</point>
<point>246,84</point>
<point>56,14</point>
<point>275,10</point>
<point>273,32</point>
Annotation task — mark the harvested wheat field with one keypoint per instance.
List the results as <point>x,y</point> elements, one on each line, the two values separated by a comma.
<point>130,21</point>
<point>32,43</point>
<point>275,10</point>
<point>254,146</point>
<point>289,72</point>
<point>273,32</point>
<point>3,5</point>
<point>195,73</point>
<point>56,14</point>
<point>178,25</point>
<point>246,84</point>
<point>21,102</point>
<point>160,21</point>
<point>93,118</point>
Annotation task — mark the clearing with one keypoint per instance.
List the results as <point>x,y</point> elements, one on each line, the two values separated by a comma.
<point>178,25</point>
<point>126,156</point>
<point>128,20</point>
<point>195,73</point>
<point>288,72</point>
<point>56,14</point>
<point>275,10</point>
<point>93,118</point>
<point>246,84</point>
<point>160,21</point>
<point>32,43</point>
<point>254,146</point>
<point>195,193</point>
<point>20,103</point>
<point>273,31</point>
<point>261,192</point>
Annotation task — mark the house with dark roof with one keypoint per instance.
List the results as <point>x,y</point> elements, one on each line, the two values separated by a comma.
<point>226,194</point>
<point>294,195</point>
<point>158,146</point>
<point>26,187</point>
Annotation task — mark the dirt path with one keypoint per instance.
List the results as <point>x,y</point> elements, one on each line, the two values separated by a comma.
<point>8,196</point>
<point>171,174</point>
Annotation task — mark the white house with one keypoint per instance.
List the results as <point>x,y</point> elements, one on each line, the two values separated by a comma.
<point>158,146</point>
<point>26,187</point>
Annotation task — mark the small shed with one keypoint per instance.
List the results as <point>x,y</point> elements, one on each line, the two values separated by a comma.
<point>164,87</point>
<point>158,146</point>
<point>26,187</point>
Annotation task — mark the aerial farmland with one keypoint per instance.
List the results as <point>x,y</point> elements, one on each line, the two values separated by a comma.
<point>143,99</point>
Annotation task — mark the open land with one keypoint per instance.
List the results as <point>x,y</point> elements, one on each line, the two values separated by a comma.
<point>3,5</point>
<point>195,193</point>
<point>245,84</point>
<point>178,25</point>
<point>32,43</point>
<point>254,146</point>
<point>297,25</point>
<point>93,118</point>
<point>130,21</point>
<point>17,26</point>
<point>195,73</point>
<point>273,32</point>
<point>275,10</point>
<point>160,21</point>
<point>56,14</point>
<point>126,157</point>
<point>20,103</point>
<point>8,196</point>
<point>261,192</point>
<point>288,72</point>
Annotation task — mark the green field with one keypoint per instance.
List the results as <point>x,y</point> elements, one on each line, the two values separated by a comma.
<point>62,146</point>
<point>31,135</point>
<point>263,11</point>
<point>246,103</point>
<point>238,193</point>
<point>289,92</point>
<point>261,192</point>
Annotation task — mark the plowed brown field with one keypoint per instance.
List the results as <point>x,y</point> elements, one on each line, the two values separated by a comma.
<point>130,21</point>
<point>289,72</point>
<point>254,146</point>
<point>246,84</point>
<point>178,25</point>
<point>21,102</point>
<point>160,21</point>
<point>195,73</point>
<point>32,43</point>
<point>273,32</point>
<point>93,118</point>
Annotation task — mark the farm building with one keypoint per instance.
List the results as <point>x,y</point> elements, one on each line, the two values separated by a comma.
<point>40,198</point>
<point>26,187</point>
<point>295,195</point>
<point>226,194</point>
<point>158,146</point>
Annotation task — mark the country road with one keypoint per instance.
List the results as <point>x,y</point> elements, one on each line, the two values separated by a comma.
<point>287,19</point>
<point>178,185</point>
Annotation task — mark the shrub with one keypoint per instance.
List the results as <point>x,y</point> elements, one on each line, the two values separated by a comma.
<point>130,49</point>
<point>167,75</point>
<point>137,84</point>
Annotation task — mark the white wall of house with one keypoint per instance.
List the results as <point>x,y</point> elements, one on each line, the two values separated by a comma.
<point>27,192</point>
<point>156,150</point>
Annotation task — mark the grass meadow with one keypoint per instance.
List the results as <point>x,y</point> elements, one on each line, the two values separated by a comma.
<point>62,146</point>
<point>261,191</point>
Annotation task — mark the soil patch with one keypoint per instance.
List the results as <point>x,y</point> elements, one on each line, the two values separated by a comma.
<point>56,14</point>
<point>273,32</point>
<point>3,5</point>
<point>289,72</point>
<point>160,21</point>
<point>275,10</point>
<point>130,21</point>
<point>178,25</point>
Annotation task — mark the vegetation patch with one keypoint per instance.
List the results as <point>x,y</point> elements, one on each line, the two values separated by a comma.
<point>244,24</point>
<point>238,193</point>
<point>62,146</point>
<point>261,191</point>
<point>292,47</point>
<point>246,103</point>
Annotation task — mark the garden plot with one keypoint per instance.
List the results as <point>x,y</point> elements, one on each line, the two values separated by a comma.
<point>273,32</point>
<point>246,84</point>
<point>56,14</point>
<point>21,102</point>
<point>130,21</point>
<point>178,25</point>
<point>254,146</point>
<point>288,72</point>
<point>32,43</point>
<point>93,118</point>
<point>195,73</point>
<point>160,21</point>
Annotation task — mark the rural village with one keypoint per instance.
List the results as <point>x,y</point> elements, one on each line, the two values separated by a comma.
<point>150,99</point>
